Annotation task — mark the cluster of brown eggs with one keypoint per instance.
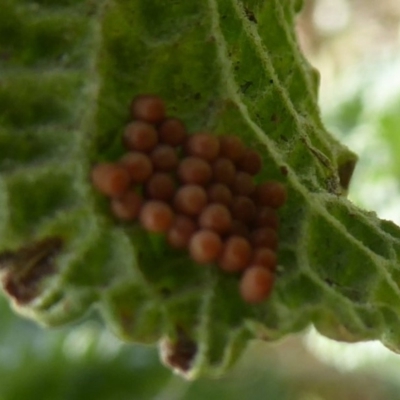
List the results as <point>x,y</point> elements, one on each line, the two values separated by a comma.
<point>199,191</point>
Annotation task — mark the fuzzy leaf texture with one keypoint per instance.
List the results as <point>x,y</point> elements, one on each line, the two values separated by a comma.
<point>68,70</point>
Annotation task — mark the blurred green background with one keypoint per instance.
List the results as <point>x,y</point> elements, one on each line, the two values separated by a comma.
<point>355,44</point>
<point>87,362</point>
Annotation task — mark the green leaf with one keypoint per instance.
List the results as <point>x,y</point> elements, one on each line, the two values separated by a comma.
<point>67,75</point>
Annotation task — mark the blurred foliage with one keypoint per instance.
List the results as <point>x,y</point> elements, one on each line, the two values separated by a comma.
<point>355,46</point>
<point>363,111</point>
<point>85,362</point>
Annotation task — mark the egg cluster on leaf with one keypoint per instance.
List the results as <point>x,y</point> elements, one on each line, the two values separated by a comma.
<point>198,189</point>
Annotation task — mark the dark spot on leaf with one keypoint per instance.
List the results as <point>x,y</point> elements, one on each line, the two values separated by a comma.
<point>179,353</point>
<point>345,172</point>
<point>197,96</point>
<point>275,118</point>
<point>283,138</point>
<point>24,269</point>
<point>245,86</point>
<point>329,282</point>
<point>250,15</point>
<point>284,170</point>
<point>165,292</point>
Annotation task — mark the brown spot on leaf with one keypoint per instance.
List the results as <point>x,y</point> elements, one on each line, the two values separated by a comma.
<point>345,171</point>
<point>250,15</point>
<point>23,270</point>
<point>179,353</point>
<point>275,119</point>
<point>284,170</point>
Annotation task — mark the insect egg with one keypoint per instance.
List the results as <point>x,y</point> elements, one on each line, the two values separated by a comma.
<point>164,158</point>
<point>194,170</point>
<point>216,217</point>
<point>156,216</point>
<point>267,217</point>
<point>231,147</point>
<point>148,108</point>
<point>172,131</point>
<point>265,257</point>
<point>205,246</point>
<point>138,165</point>
<point>140,136</point>
<point>250,162</point>
<point>256,284</point>
<point>127,207</point>
<point>203,145</point>
<point>161,186</point>
<point>110,179</point>
<point>219,193</point>
<point>224,171</point>
<point>243,184</point>
<point>236,254</point>
<point>190,199</point>
<point>243,209</point>
<point>265,237</point>
<point>271,194</point>
<point>181,231</point>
